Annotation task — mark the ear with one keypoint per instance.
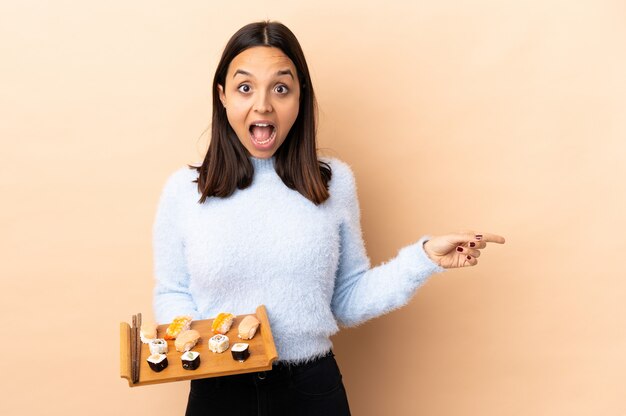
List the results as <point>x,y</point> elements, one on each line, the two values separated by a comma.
<point>220,89</point>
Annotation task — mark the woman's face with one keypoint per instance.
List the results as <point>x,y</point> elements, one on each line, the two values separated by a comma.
<point>261,96</point>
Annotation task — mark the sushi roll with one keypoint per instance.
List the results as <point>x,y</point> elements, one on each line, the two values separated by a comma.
<point>190,360</point>
<point>179,324</point>
<point>248,326</point>
<point>240,351</point>
<point>218,343</point>
<point>186,340</point>
<point>148,332</point>
<point>158,346</point>
<point>222,323</point>
<point>157,362</point>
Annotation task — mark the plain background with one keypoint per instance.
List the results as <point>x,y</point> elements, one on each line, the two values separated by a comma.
<point>495,115</point>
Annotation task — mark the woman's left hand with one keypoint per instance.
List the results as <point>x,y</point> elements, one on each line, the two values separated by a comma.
<point>459,250</point>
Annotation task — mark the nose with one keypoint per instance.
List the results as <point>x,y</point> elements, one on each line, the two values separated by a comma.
<point>262,103</point>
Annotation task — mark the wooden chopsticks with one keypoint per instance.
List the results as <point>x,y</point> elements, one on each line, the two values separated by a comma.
<point>135,348</point>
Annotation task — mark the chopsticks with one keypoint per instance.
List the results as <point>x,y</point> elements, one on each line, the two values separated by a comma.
<point>135,348</point>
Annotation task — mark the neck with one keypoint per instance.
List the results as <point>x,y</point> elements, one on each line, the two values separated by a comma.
<point>262,164</point>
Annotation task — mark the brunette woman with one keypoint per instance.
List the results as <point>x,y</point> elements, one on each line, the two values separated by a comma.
<point>265,220</point>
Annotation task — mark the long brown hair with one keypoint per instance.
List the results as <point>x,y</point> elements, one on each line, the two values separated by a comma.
<point>226,166</point>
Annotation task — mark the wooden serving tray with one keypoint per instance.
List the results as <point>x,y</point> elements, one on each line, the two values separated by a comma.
<point>262,353</point>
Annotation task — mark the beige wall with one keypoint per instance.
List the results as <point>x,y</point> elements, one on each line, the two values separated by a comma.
<point>505,116</point>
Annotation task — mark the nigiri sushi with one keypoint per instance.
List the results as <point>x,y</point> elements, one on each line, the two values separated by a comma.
<point>148,332</point>
<point>186,340</point>
<point>179,324</point>
<point>248,327</point>
<point>222,323</point>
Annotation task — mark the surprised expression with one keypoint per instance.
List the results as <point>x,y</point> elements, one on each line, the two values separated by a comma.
<point>262,97</point>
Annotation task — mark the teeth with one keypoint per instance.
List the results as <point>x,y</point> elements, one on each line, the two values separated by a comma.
<point>262,125</point>
<point>269,138</point>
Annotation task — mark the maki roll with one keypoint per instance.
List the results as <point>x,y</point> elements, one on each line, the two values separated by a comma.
<point>186,340</point>
<point>190,360</point>
<point>248,327</point>
<point>158,346</point>
<point>222,323</point>
<point>157,362</point>
<point>240,351</point>
<point>218,343</point>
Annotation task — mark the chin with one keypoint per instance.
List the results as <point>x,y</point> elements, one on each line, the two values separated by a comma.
<point>262,154</point>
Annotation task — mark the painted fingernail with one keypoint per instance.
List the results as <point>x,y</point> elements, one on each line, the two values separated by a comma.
<point>472,244</point>
<point>479,237</point>
<point>469,257</point>
<point>459,249</point>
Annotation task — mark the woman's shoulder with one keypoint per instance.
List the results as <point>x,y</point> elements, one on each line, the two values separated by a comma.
<point>181,181</point>
<point>342,182</point>
<point>340,169</point>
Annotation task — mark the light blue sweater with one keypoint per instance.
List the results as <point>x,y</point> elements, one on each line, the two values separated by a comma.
<point>269,245</point>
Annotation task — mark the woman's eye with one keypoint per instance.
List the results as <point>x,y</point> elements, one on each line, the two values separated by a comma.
<point>244,88</point>
<point>281,89</point>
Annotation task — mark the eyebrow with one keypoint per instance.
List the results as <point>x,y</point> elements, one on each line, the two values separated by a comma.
<point>278,73</point>
<point>285,72</point>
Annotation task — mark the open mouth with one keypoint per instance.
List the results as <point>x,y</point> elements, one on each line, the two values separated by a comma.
<point>262,134</point>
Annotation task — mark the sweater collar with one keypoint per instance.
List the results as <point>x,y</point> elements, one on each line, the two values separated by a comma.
<point>261,165</point>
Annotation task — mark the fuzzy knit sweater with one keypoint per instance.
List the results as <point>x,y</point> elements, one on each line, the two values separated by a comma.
<point>267,244</point>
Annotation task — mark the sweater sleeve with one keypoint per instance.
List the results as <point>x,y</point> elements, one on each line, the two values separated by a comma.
<point>171,292</point>
<point>362,292</point>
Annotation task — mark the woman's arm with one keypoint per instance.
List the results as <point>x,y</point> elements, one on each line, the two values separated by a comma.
<point>171,292</point>
<point>362,292</point>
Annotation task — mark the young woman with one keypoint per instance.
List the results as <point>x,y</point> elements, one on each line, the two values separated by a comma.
<point>264,220</point>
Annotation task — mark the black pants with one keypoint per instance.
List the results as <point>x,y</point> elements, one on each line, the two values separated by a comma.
<point>312,389</point>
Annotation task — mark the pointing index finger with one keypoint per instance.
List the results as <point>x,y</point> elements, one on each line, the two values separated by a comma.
<point>490,238</point>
